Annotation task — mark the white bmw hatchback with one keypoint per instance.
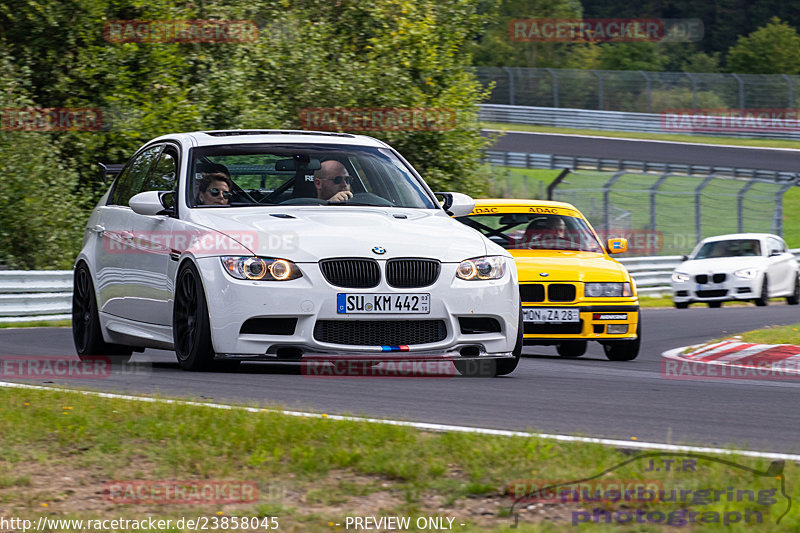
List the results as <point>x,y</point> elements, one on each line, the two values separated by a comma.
<point>277,245</point>
<point>740,266</point>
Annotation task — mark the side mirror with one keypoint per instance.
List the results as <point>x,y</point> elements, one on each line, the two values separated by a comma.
<point>617,246</point>
<point>773,253</point>
<point>684,258</point>
<point>153,203</point>
<point>457,204</point>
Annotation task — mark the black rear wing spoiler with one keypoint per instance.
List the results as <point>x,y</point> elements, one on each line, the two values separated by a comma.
<point>109,169</point>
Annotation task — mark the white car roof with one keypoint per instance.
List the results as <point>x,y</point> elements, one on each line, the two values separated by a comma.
<point>228,137</point>
<point>733,236</point>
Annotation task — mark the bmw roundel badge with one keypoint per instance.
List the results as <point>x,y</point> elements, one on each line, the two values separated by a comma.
<point>544,274</point>
<point>380,250</point>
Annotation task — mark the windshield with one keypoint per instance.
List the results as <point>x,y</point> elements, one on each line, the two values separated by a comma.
<point>734,248</point>
<point>308,174</point>
<point>535,231</point>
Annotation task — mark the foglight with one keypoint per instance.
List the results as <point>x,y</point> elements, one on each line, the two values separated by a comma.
<point>482,268</point>
<point>260,268</point>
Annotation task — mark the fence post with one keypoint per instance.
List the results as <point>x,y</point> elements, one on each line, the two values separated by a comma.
<point>777,223</point>
<point>599,89</point>
<point>653,191</point>
<point>740,203</point>
<point>556,182</point>
<point>555,86</point>
<point>697,192</point>
<point>510,75</point>
<point>606,194</point>
<point>789,86</point>
<point>649,93</point>
<point>741,91</point>
<point>694,90</point>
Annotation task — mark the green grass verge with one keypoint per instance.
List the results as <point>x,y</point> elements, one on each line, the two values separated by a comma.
<point>774,335</point>
<point>670,137</point>
<point>62,449</point>
<point>675,209</point>
<point>37,324</point>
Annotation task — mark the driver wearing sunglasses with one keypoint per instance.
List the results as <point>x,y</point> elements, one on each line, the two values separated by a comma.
<point>332,182</point>
<point>215,189</point>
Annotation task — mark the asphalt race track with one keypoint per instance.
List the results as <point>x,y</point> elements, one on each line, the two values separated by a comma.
<point>652,151</point>
<point>590,396</point>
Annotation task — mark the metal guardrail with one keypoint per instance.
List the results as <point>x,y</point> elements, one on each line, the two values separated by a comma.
<point>607,120</point>
<point>653,274</point>
<point>34,295</point>
<point>640,91</point>
<point>555,161</point>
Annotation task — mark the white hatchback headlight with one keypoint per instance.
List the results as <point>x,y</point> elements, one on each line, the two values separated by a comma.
<point>746,273</point>
<point>680,277</point>
<point>481,268</point>
<point>260,268</point>
<point>607,290</point>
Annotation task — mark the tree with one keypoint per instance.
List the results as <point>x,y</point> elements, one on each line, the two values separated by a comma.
<point>772,49</point>
<point>348,53</point>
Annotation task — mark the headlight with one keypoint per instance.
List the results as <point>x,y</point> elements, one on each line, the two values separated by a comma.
<point>488,267</point>
<point>680,277</point>
<point>607,290</point>
<point>260,268</point>
<point>746,273</point>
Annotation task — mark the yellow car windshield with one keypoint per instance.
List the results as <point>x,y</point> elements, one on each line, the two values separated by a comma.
<point>535,231</point>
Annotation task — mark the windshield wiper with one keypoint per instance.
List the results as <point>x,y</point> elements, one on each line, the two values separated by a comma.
<point>360,203</point>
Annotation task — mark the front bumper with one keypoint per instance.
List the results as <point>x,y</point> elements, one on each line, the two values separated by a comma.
<point>310,299</point>
<point>594,323</point>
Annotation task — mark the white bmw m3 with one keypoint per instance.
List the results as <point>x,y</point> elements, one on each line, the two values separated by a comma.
<point>278,245</point>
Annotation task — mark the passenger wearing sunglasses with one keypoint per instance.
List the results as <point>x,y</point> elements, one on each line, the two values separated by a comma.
<point>215,189</point>
<point>332,182</point>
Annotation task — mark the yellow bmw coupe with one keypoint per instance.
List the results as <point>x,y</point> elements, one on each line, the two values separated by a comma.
<point>571,290</point>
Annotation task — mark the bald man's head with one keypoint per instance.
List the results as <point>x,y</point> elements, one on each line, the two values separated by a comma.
<point>331,178</point>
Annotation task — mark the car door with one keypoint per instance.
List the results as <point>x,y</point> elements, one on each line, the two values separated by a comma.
<point>154,237</point>
<point>780,267</point>
<point>115,283</point>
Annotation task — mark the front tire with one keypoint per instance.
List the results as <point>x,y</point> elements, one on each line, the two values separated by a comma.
<point>87,334</point>
<point>191,330</point>
<point>794,299</point>
<point>681,305</point>
<point>763,299</point>
<point>715,305</point>
<point>571,349</point>
<point>625,350</point>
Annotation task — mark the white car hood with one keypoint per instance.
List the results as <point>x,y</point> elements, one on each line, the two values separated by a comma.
<point>721,264</point>
<point>310,233</point>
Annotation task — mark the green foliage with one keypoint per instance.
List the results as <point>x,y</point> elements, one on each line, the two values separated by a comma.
<point>630,56</point>
<point>772,49</point>
<point>496,48</point>
<point>680,98</point>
